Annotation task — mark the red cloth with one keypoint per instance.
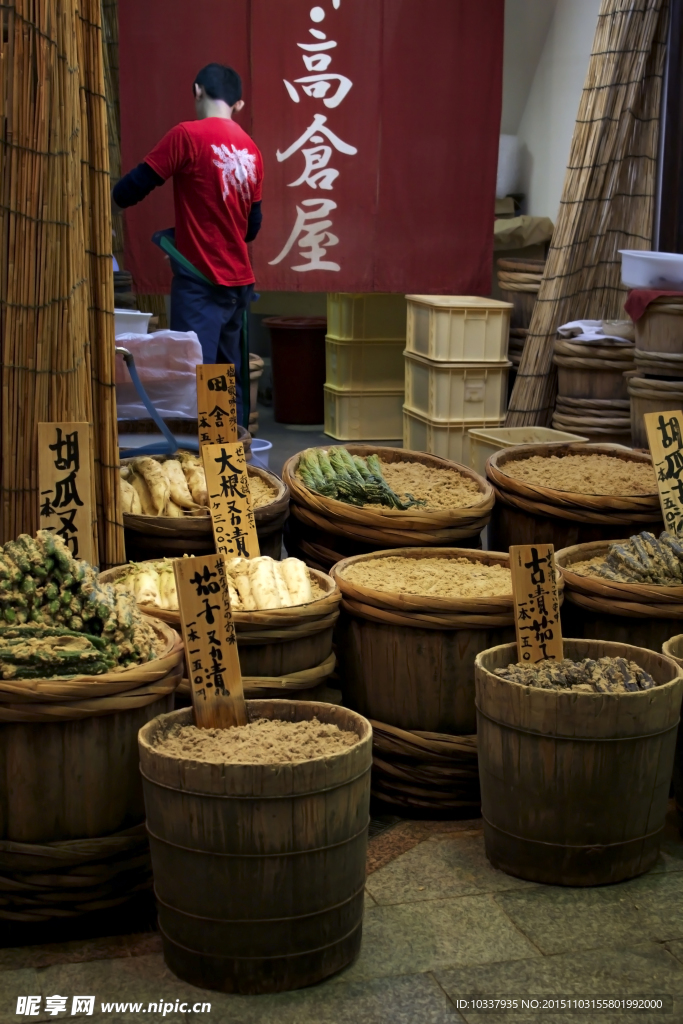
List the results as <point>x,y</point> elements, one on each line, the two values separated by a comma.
<point>640,298</point>
<point>396,189</point>
<point>217,174</point>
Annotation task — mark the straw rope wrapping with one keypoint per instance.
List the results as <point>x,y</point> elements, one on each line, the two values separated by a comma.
<point>56,290</point>
<point>608,196</point>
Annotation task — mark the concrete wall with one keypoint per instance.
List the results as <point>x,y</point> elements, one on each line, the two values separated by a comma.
<point>547,124</point>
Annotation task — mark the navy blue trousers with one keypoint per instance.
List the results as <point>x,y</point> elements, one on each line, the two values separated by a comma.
<point>215,313</point>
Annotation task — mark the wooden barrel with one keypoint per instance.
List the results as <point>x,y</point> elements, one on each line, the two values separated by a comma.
<point>673,648</point>
<point>641,614</point>
<point>408,660</point>
<point>649,395</point>
<point>68,751</point>
<point>162,537</point>
<point>533,514</point>
<point>519,281</point>
<point>660,328</point>
<point>575,786</point>
<point>277,642</point>
<point>323,529</point>
<point>587,371</point>
<point>259,870</point>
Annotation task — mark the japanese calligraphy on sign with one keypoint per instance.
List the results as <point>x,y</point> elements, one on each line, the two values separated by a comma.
<point>311,236</point>
<point>234,526</point>
<point>536,603</point>
<point>213,664</point>
<point>64,483</point>
<point>665,436</point>
<point>216,403</point>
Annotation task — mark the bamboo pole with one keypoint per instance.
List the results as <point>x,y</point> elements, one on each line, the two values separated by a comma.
<point>608,196</point>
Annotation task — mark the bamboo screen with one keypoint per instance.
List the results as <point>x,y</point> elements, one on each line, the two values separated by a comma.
<point>56,286</point>
<point>608,196</point>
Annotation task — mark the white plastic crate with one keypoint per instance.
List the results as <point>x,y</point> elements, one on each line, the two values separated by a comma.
<point>364,365</point>
<point>456,391</point>
<point>363,415</point>
<point>449,440</point>
<point>366,317</point>
<point>486,442</point>
<point>456,327</point>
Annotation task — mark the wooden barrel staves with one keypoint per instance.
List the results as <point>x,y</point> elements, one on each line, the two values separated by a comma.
<point>164,537</point>
<point>642,614</point>
<point>408,660</point>
<point>575,786</point>
<point>259,870</point>
<point>673,648</point>
<point>75,740</point>
<point>527,513</point>
<point>324,530</point>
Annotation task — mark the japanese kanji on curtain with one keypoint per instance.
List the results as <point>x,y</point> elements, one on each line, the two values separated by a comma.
<point>378,121</point>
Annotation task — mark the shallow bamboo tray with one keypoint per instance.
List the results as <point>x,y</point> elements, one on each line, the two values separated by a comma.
<point>331,511</point>
<point>608,595</point>
<point>570,501</point>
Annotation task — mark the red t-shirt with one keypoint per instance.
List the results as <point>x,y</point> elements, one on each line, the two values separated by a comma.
<point>217,174</point>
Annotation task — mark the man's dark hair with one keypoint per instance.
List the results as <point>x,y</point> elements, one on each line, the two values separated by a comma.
<point>220,83</point>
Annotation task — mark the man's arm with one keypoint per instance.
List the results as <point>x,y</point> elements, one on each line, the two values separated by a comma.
<point>254,222</point>
<point>134,186</point>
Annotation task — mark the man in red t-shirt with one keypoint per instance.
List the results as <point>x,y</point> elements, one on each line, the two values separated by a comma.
<point>217,173</point>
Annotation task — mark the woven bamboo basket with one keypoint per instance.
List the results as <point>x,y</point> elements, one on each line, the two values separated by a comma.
<point>46,881</point>
<point>425,771</point>
<point>528,514</point>
<point>76,741</point>
<point>280,649</point>
<point>162,537</point>
<point>337,528</point>
<point>660,328</point>
<point>651,396</point>
<point>408,660</point>
<point>641,614</point>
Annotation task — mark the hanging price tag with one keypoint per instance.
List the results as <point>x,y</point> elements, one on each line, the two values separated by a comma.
<point>64,485</point>
<point>665,437</point>
<point>537,605</point>
<point>216,403</point>
<point>234,526</point>
<point>213,664</point>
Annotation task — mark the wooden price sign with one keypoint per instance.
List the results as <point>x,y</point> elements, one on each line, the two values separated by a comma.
<point>665,437</point>
<point>234,526</point>
<point>217,403</point>
<point>213,664</point>
<point>64,485</point>
<point>537,606</point>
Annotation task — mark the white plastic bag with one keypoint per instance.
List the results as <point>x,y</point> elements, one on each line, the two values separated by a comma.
<point>166,362</point>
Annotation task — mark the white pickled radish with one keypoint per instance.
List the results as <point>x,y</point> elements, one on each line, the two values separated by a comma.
<point>296,576</point>
<point>147,587</point>
<point>263,583</point>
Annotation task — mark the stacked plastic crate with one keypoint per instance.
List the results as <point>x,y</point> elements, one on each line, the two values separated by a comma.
<point>456,371</point>
<point>366,336</point>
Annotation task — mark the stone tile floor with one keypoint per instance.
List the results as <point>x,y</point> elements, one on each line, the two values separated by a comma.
<point>440,924</point>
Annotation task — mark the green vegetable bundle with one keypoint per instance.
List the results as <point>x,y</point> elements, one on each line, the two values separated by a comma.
<point>338,474</point>
<point>37,652</point>
<point>42,584</point>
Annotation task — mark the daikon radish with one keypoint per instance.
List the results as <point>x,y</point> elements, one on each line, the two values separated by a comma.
<point>263,583</point>
<point>242,585</point>
<point>180,492</point>
<point>155,478</point>
<point>296,576</point>
<point>196,481</point>
<point>172,510</point>
<point>127,496</point>
<point>146,587</point>
<point>235,601</point>
<point>167,589</point>
<point>282,588</point>
<point>144,497</point>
